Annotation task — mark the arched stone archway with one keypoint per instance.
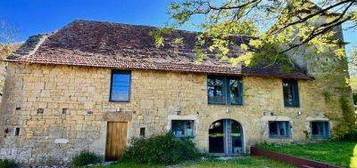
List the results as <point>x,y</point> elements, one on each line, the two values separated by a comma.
<point>226,137</point>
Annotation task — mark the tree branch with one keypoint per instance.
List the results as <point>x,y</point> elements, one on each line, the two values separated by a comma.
<point>232,7</point>
<point>302,20</point>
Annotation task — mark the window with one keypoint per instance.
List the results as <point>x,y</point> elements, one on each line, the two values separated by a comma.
<point>120,86</point>
<point>182,128</point>
<point>17,131</point>
<point>142,132</point>
<point>279,129</point>
<point>64,110</point>
<point>320,129</point>
<point>225,90</point>
<point>291,93</point>
<point>40,110</point>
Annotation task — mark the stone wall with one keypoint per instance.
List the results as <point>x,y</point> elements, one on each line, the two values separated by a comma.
<point>76,108</point>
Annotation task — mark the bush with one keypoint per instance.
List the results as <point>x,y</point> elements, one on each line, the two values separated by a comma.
<point>7,164</point>
<point>351,135</point>
<point>85,158</point>
<point>162,149</point>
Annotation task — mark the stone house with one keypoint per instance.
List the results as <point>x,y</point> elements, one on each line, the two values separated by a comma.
<point>95,85</point>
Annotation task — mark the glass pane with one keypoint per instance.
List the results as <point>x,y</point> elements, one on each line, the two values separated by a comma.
<point>182,128</point>
<point>216,137</point>
<point>189,128</point>
<point>236,137</point>
<point>290,91</point>
<point>234,91</point>
<point>320,129</point>
<point>216,93</point>
<point>273,129</point>
<point>120,87</point>
<point>282,129</point>
<point>327,129</point>
<point>314,128</point>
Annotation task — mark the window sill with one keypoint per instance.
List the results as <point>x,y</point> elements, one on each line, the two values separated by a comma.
<point>183,137</point>
<point>279,137</point>
<point>112,101</point>
<point>292,106</point>
<point>225,104</point>
<point>319,138</point>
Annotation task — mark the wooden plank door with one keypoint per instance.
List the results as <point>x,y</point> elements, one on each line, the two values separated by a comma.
<point>116,140</point>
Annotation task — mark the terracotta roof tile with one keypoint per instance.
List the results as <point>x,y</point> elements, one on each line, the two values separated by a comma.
<point>121,46</point>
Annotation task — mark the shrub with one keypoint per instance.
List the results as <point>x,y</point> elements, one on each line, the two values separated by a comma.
<point>351,135</point>
<point>7,164</point>
<point>85,158</point>
<point>162,149</point>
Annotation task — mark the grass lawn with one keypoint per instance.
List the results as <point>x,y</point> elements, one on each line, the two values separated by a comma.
<point>334,152</point>
<point>240,162</point>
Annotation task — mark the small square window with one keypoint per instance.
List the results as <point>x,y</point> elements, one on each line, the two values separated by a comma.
<point>64,110</point>
<point>279,129</point>
<point>40,111</point>
<point>291,93</point>
<point>320,129</point>
<point>182,128</point>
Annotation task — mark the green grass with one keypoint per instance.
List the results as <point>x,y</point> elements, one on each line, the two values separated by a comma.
<point>240,162</point>
<point>333,152</point>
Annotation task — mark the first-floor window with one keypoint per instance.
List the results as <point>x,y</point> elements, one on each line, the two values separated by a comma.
<point>279,129</point>
<point>291,93</point>
<point>225,90</point>
<point>182,128</point>
<point>320,129</point>
<point>120,86</point>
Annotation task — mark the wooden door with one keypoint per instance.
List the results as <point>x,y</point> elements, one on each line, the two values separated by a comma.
<point>116,140</point>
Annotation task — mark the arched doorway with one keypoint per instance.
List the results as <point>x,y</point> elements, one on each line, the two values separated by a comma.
<point>226,137</point>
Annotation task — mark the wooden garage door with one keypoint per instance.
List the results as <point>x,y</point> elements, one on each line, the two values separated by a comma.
<point>116,140</point>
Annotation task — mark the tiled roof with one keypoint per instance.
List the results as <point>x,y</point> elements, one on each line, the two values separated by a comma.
<point>121,46</point>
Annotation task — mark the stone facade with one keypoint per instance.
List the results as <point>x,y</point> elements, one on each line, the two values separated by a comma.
<point>60,110</point>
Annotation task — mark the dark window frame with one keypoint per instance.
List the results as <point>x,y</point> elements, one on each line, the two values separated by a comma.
<point>280,125</point>
<point>325,127</point>
<point>188,121</point>
<point>111,85</point>
<point>226,90</point>
<point>294,86</point>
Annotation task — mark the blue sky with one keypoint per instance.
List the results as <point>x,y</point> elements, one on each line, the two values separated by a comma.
<point>32,17</point>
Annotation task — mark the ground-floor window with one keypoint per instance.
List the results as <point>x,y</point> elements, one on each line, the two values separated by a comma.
<point>182,128</point>
<point>279,129</point>
<point>320,129</point>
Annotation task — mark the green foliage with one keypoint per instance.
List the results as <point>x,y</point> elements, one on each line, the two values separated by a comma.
<point>199,54</point>
<point>178,41</point>
<point>162,149</point>
<point>353,83</point>
<point>159,34</point>
<point>354,158</point>
<point>346,127</point>
<point>238,162</point>
<point>334,152</point>
<point>272,26</point>
<point>85,158</point>
<point>8,164</point>
<point>328,96</point>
